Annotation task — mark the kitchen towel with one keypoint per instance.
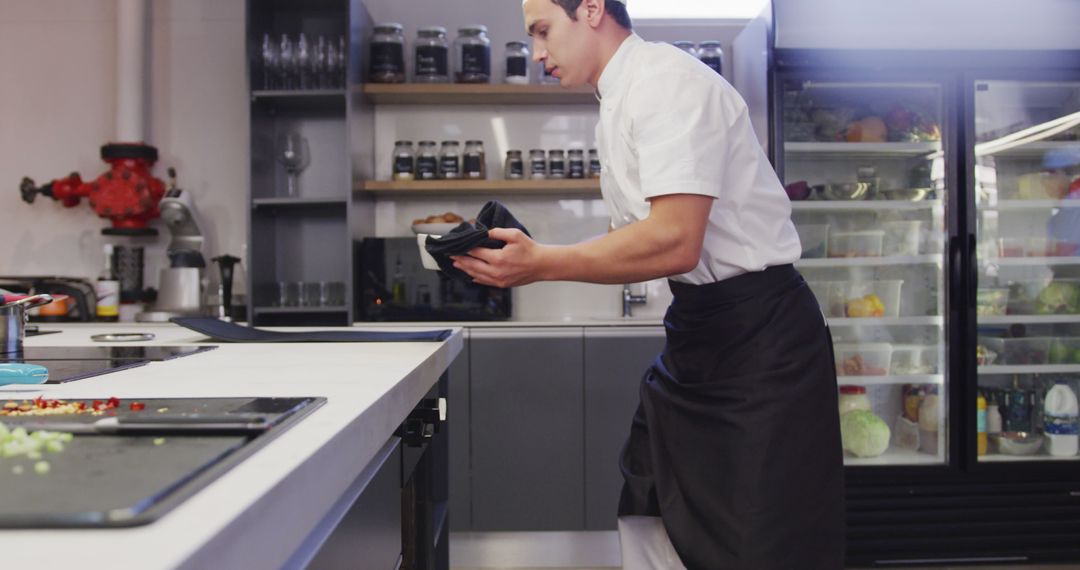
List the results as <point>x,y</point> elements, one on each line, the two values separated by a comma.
<point>232,332</point>
<point>468,236</point>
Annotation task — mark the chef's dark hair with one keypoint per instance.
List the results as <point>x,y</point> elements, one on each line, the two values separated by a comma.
<point>614,8</point>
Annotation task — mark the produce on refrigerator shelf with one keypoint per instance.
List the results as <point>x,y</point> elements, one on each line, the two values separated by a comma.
<point>868,306</point>
<point>864,434</point>
<point>1059,297</point>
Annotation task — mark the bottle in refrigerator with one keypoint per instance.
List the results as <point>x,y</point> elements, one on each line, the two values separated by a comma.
<point>980,425</point>
<point>993,416</point>
<point>1060,421</point>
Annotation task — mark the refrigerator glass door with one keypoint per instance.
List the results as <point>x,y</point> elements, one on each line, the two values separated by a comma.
<point>1027,197</point>
<point>863,163</point>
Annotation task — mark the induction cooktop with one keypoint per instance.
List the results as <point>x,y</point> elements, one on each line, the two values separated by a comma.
<point>67,364</point>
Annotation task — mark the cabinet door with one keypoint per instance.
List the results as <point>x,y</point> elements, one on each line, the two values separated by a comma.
<point>615,361</point>
<point>527,423</point>
<point>458,421</point>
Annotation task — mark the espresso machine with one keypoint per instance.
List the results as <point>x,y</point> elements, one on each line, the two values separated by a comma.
<point>181,285</point>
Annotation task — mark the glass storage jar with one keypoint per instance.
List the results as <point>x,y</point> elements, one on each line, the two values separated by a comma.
<point>686,46</point>
<point>450,160</point>
<point>594,163</point>
<point>556,164</point>
<point>427,161</point>
<point>517,63</point>
<point>432,55</point>
<point>854,398</point>
<point>537,164</point>
<point>404,167</point>
<point>711,55</point>
<point>514,167</point>
<point>387,54</point>
<point>472,52</point>
<point>576,163</point>
<point>474,162</point>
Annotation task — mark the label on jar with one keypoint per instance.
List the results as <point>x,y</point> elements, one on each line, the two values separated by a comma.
<point>714,62</point>
<point>474,165</point>
<point>594,168</point>
<point>557,168</point>
<point>450,165</point>
<point>427,167</point>
<point>387,57</point>
<point>476,60</point>
<point>517,67</point>
<point>538,166</point>
<point>577,169</point>
<point>403,164</point>
<point>516,169</point>
<point>431,61</point>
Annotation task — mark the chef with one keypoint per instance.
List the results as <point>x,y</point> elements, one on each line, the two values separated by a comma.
<point>733,460</point>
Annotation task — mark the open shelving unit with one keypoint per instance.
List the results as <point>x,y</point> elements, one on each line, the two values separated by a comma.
<point>474,94</point>
<point>585,187</point>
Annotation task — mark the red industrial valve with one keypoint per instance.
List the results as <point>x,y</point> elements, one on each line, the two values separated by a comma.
<point>127,193</point>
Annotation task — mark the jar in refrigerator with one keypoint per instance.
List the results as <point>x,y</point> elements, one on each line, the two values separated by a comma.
<point>427,161</point>
<point>576,163</point>
<point>474,163</point>
<point>537,164</point>
<point>556,164</point>
<point>686,46</point>
<point>450,160</point>
<point>404,161</point>
<point>711,55</point>
<point>854,398</point>
<point>594,163</point>
<point>514,168</point>
<point>387,54</point>
<point>432,55</point>
<point>517,63</point>
<point>472,51</point>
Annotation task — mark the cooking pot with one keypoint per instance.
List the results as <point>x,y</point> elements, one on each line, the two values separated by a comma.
<point>13,322</point>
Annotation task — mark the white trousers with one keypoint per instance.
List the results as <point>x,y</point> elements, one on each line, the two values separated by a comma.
<point>645,545</point>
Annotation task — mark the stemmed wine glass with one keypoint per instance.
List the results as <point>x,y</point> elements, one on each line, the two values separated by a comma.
<point>294,155</point>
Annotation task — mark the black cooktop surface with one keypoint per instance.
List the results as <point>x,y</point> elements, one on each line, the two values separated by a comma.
<point>67,364</point>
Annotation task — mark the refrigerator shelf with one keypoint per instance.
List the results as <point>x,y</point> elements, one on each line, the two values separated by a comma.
<point>849,149</point>
<point>1003,205</point>
<point>860,205</point>
<point>895,457</point>
<point>885,321</point>
<point>890,380</point>
<point>1031,369</point>
<point>1001,458</point>
<point>1029,319</point>
<point>1031,261</point>
<point>928,259</point>
<point>1035,150</point>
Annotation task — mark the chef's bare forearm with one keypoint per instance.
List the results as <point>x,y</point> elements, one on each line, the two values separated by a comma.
<point>666,243</point>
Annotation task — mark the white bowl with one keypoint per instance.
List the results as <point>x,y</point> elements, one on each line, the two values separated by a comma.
<point>438,229</point>
<point>425,258</point>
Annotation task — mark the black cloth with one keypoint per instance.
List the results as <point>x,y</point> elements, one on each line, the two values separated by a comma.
<point>736,441</point>
<point>232,332</point>
<point>466,237</point>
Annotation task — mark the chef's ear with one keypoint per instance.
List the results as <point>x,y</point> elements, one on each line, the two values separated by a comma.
<point>594,11</point>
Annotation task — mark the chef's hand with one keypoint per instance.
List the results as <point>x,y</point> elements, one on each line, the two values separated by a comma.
<point>517,263</point>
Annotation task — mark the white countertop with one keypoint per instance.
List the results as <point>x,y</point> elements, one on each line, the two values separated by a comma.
<point>259,512</point>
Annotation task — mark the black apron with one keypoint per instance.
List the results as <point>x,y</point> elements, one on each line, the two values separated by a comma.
<point>736,442</point>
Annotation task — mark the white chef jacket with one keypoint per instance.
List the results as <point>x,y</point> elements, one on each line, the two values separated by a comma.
<point>669,124</point>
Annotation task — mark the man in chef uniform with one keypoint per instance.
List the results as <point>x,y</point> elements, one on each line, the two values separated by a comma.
<point>734,458</point>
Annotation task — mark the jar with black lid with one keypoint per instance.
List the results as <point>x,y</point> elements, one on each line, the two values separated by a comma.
<point>556,164</point>
<point>450,160</point>
<point>594,163</point>
<point>472,53</point>
<point>387,54</point>
<point>427,161</point>
<point>404,160</point>
<point>712,56</point>
<point>474,160</point>
<point>686,46</point>
<point>514,168</point>
<point>432,55</point>
<point>517,63</point>
<point>576,162</point>
<point>537,164</point>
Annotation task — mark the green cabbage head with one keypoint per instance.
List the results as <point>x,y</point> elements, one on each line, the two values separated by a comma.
<point>863,433</point>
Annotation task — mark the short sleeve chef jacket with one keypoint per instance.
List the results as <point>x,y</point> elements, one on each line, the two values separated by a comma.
<point>669,124</point>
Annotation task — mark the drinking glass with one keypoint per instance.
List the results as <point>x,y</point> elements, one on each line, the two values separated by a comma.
<point>287,62</point>
<point>303,62</point>
<point>318,64</point>
<point>294,155</point>
<point>269,62</point>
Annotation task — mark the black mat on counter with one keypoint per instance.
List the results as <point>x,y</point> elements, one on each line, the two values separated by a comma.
<point>231,332</point>
<point>113,481</point>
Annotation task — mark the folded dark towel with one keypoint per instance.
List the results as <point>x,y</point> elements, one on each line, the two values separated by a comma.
<point>466,237</point>
<point>231,332</point>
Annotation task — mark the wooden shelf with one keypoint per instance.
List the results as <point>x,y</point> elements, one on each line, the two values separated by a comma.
<point>578,187</point>
<point>475,94</point>
<point>287,202</point>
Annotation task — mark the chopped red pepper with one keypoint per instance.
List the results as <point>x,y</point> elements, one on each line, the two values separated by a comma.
<point>137,406</point>
<point>82,406</point>
<point>113,402</point>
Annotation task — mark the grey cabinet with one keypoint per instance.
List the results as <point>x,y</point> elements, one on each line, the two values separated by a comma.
<point>527,418</point>
<point>615,361</point>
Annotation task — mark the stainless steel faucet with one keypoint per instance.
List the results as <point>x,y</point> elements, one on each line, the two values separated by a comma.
<point>629,300</point>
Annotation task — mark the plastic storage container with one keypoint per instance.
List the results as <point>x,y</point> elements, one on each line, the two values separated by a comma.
<point>1044,297</point>
<point>901,238</point>
<point>1064,350</point>
<point>911,360</point>
<point>867,359</point>
<point>865,299</point>
<point>815,240</point>
<point>1012,247</point>
<point>1018,351</point>
<point>991,301</point>
<point>821,290</point>
<point>856,244</point>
